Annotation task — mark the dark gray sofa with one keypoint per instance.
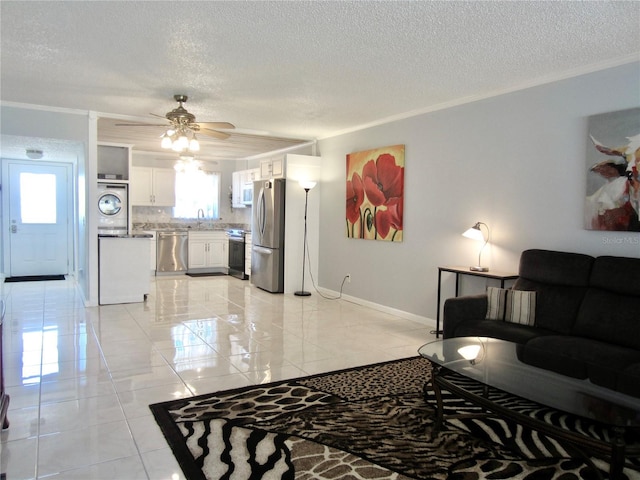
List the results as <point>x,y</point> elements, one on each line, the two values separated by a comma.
<point>587,317</point>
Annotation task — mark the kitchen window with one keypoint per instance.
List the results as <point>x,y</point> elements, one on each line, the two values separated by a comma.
<point>197,189</point>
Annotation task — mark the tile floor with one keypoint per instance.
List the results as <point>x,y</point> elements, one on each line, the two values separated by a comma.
<point>81,379</point>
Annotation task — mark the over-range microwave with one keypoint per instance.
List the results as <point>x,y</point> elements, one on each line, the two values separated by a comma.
<point>247,193</point>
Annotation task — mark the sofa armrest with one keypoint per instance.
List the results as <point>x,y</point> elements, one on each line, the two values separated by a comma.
<point>459,309</point>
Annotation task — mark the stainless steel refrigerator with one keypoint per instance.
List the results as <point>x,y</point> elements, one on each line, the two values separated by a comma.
<point>267,235</point>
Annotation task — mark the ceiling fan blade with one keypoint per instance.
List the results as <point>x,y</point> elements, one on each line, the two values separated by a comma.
<point>159,116</point>
<point>213,133</point>
<point>220,125</point>
<point>139,125</point>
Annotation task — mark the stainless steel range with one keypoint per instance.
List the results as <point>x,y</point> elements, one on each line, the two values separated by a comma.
<point>236,253</point>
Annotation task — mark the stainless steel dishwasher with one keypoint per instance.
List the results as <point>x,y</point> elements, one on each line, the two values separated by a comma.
<point>172,252</point>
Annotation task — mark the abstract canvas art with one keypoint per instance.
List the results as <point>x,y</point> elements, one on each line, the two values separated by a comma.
<point>375,194</point>
<point>613,161</point>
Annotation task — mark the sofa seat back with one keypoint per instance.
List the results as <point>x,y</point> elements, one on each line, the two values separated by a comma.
<point>611,308</point>
<point>560,280</point>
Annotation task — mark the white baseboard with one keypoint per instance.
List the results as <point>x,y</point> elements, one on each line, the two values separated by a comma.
<point>430,322</point>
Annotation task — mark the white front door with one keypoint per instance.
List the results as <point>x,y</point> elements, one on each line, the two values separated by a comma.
<point>38,199</point>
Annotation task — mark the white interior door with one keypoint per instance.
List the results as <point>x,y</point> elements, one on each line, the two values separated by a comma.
<point>38,219</point>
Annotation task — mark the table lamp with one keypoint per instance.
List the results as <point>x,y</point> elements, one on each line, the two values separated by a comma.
<point>475,233</point>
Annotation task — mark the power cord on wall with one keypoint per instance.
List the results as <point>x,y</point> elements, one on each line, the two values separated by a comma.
<point>313,281</point>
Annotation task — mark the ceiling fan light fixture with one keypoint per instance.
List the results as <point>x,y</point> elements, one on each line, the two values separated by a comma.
<point>194,145</point>
<point>183,141</point>
<point>166,141</point>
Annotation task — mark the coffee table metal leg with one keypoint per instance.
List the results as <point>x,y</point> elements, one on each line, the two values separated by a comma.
<point>433,385</point>
<point>617,453</point>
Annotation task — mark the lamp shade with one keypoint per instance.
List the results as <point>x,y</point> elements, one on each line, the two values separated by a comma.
<point>307,184</point>
<point>474,233</point>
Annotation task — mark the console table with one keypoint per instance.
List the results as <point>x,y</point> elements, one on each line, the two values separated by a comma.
<point>495,275</point>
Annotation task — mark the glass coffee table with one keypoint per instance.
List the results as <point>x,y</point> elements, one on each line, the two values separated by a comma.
<point>488,373</point>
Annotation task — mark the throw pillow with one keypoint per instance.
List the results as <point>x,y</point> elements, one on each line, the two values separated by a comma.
<point>496,303</point>
<point>521,307</point>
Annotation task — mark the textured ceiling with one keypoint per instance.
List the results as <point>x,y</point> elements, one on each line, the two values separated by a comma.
<point>299,69</point>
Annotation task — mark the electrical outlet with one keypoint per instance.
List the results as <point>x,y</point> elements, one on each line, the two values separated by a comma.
<point>348,275</point>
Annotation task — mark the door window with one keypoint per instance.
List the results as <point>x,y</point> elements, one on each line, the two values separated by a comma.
<point>37,198</point>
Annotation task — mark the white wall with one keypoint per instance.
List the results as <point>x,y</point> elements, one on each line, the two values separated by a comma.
<point>515,162</point>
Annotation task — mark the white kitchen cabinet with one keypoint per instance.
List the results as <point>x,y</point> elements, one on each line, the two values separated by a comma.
<point>226,257</point>
<point>241,181</point>
<point>251,175</point>
<point>273,167</point>
<point>123,270</point>
<point>237,180</point>
<point>207,250</point>
<point>153,186</point>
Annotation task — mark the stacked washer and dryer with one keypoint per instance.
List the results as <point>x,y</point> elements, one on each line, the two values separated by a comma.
<point>113,209</point>
<point>124,263</point>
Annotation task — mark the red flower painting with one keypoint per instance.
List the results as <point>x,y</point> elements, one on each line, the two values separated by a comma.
<point>375,194</point>
<point>355,197</point>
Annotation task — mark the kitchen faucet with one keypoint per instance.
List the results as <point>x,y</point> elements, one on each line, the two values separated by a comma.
<point>200,211</point>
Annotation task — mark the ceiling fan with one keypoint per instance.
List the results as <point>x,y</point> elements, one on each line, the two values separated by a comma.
<point>182,123</point>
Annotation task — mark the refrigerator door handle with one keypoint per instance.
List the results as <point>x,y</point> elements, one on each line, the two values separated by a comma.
<point>261,212</point>
<point>262,250</point>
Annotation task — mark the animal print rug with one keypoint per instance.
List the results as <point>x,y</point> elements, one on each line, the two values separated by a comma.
<point>370,422</point>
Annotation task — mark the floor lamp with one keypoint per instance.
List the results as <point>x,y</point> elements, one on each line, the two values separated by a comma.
<point>307,186</point>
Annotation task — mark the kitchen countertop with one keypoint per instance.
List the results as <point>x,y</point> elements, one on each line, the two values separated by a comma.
<point>190,226</point>
<point>124,235</point>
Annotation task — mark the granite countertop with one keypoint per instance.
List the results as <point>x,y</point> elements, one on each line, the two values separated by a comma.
<point>190,226</point>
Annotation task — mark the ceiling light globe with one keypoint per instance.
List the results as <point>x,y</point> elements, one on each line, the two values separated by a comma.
<point>194,145</point>
<point>183,141</point>
<point>166,142</point>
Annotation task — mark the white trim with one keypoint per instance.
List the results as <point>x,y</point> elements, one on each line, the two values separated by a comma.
<point>29,106</point>
<point>281,150</point>
<point>575,72</point>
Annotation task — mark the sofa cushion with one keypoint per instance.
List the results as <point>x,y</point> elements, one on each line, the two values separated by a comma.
<point>511,332</point>
<point>556,268</point>
<point>521,307</point>
<point>629,380</point>
<point>460,309</point>
<point>515,306</point>
<point>560,280</point>
<point>582,358</point>
<point>496,303</point>
<point>617,274</point>
<point>556,306</point>
<point>609,317</point>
